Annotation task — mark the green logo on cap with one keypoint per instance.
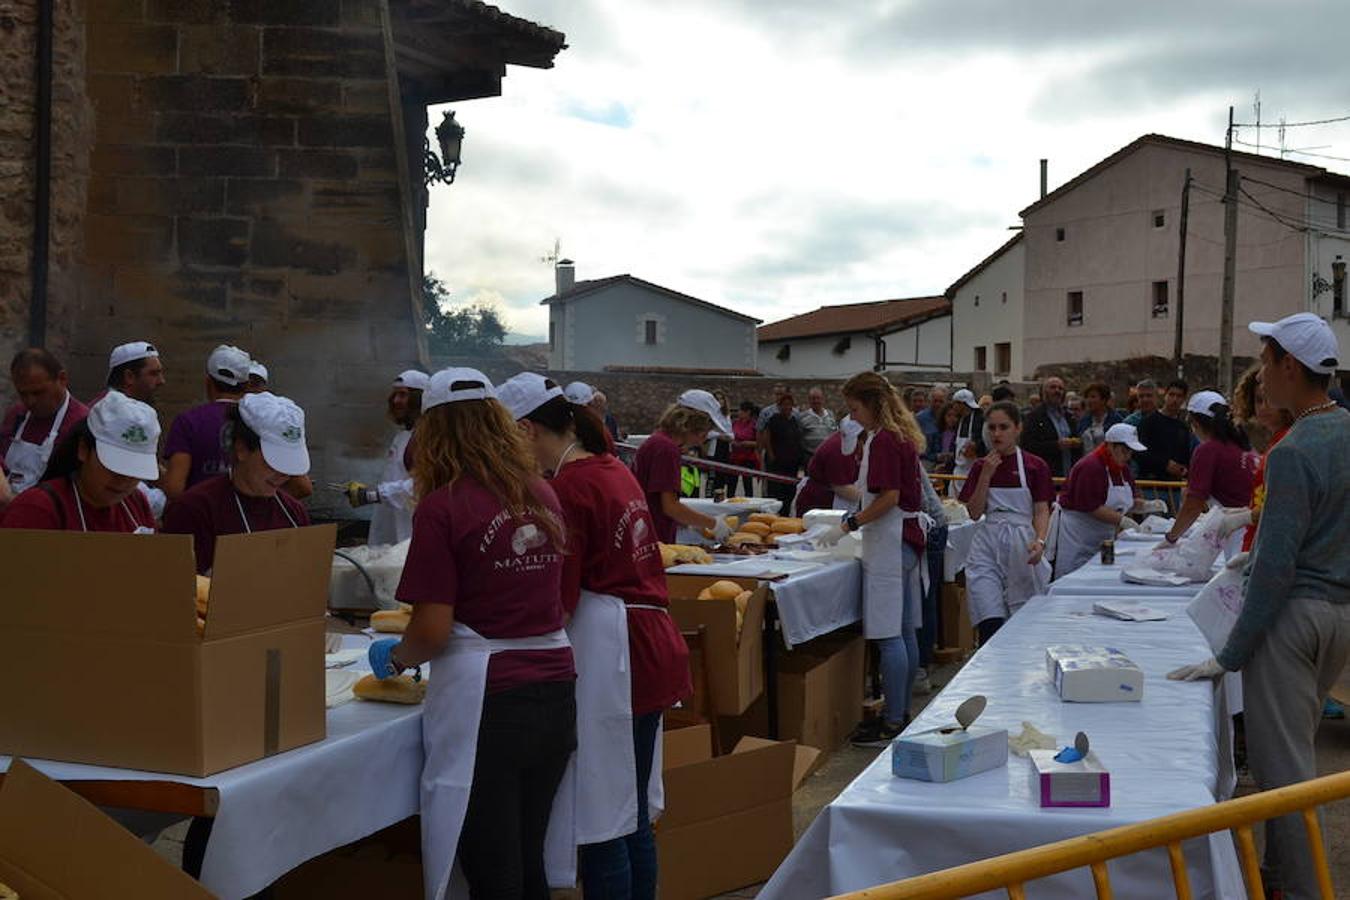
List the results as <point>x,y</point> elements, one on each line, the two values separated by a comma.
<point>135,435</point>
<point>292,434</point>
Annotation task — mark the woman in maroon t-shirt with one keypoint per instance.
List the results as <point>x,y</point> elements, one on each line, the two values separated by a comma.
<point>615,586</point>
<point>484,576</point>
<point>657,464</point>
<point>1220,472</point>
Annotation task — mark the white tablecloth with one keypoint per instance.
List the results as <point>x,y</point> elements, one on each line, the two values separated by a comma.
<point>820,601</point>
<point>277,813</point>
<point>1095,578</point>
<point>1162,754</point>
<point>959,538</point>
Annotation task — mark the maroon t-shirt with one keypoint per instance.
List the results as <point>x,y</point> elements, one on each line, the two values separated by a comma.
<point>210,509</point>
<point>1222,471</point>
<point>501,574</point>
<point>38,427</point>
<point>612,549</point>
<point>657,468</point>
<point>1039,479</point>
<point>37,508</point>
<point>1089,480</point>
<point>827,467</point>
<point>893,465</point>
<point>196,432</point>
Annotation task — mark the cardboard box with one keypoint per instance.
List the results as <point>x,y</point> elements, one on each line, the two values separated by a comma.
<point>104,665</point>
<point>736,665</point>
<point>728,819</point>
<point>57,846</point>
<point>957,632</point>
<point>387,863</point>
<point>1085,674</point>
<point>1082,783</point>
<point>949,753</point>
<point>820,691</point>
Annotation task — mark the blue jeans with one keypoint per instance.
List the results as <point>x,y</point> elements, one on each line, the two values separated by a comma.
<point>936,554</point>
<point>900,658</point>
<point>625,867</point>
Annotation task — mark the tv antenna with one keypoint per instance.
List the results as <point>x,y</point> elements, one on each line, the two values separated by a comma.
<point>552,258</point>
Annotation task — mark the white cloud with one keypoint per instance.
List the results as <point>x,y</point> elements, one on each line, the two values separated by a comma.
<point>774,158</point>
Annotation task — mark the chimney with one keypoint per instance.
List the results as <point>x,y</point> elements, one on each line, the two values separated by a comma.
<point>1045,176</point>
<point>566,274</point>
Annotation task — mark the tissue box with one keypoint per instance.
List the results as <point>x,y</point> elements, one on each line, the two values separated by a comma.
<point>1082,783</point>
<point>1093,674</point>
<point>946,754</point>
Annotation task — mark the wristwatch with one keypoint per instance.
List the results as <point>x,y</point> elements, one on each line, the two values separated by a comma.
<point>851,520</point>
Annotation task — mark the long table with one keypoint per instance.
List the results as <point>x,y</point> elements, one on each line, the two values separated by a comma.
<point>1095,578</point>
<point>276,813</point>
<point>1163,754</point>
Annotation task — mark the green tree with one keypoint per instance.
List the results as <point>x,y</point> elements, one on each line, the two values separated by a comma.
<point>470,330</point>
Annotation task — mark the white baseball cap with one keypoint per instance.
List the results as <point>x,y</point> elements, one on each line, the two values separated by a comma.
<point>524,393</point>
<point>966,397</point>
<point>705,402</point>
<point>454,385</point>
<point>1120,433</point>
<point>125,353</point>
<point>851,431</point>
<point>1203,402</point>
<point>413,380</point>
<point>1307,336</point>
<point>229,365</point>
<point>280,425</point>
<point>126,436</point>
<point>257,370</point>
<point>579,392</point>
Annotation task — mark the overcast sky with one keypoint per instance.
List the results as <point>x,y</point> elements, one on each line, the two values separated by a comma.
<point>778,155</point>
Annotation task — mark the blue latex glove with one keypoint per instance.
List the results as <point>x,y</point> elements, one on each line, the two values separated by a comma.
<point>381,658</point>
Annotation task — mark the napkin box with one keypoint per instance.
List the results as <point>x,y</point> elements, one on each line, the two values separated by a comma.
<point>946,754</point>
<point>1084,674</point>
<point>1082,783</point>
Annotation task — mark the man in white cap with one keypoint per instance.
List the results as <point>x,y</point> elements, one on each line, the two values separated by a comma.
<point>579,392</point>
<point>135,369</point>
<point>257,377</point>
<point>192,449</point>
<point>391,522</point>
<point>265,436</point>
<point>969,444</point>
<point>1292,637</point>
<point>92,479</point>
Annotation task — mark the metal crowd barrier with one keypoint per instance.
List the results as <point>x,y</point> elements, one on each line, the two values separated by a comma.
<point>1012,871</point>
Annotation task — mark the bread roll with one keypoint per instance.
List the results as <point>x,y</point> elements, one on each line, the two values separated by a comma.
<point>724,590</point>
<point>760,528</point>
<point>742,537</point>
<point>390,621</point>
<point>766,518</point>
<point>788,526</point>
<point>742,604</point>
<point>8,893</point>
<point>201,632</point>
<point>705,594</point>
<point>399,689</point>
<point>203,594</point>
<point>738,499</point>
<point>733,522</point>
<point>668,556</point>
<point>405,607</point>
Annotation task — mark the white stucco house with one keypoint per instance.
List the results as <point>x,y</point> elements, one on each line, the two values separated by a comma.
<point>987,313</point>
<point>839,341</point>
<point>625,324</point>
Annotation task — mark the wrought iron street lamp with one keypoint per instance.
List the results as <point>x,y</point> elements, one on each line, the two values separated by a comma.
<point>450,137</point>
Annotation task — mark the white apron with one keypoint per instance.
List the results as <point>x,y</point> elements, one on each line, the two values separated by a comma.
<point>598,793</point>
<point>1076,536</point>
<point>998,579</point>
<point>391,521</point>
<point>26,462</point>
<point>451,715</point>
<point>888,590</point>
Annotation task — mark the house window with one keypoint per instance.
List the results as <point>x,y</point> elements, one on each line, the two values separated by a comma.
<point>1159,218</point>
<point>1005,296</point>
<point>1002,358</point>
<point>553,335</point>
<point>1059,235</point>
<point>649,332</point>
<point>784,353</point>
<point>841,346</point>
<point>1075,308</point>
<point>977,299</point>
<point>1338,288</point>
<point>981,359</point>
<point>1159,299</point>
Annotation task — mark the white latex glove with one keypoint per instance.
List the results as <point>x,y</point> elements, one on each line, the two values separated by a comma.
<point>1151,506</point>
<point>831,537</point>
<point>721,530</point>
<point>1127,524</point>
<point>1235,520</point>
<point>1209,669</point>
<point>1238,561</point>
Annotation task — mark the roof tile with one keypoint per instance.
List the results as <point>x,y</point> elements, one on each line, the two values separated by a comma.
<point>881,315</point>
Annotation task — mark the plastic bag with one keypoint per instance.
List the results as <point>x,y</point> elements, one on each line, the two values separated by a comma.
<point>1216,608</point>
<point>347,586</point>
<point>1193,556</point>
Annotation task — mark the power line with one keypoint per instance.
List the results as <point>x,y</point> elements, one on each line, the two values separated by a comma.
<point>1274,215</point>
<point>1291,191</point>
<point>1295,124</point>
<point>1292,150</point>
<point>1255,207</point>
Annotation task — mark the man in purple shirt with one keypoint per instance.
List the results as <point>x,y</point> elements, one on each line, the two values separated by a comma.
<point>192,450</point>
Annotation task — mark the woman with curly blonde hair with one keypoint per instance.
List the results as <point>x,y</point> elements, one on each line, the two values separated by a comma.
<point>484,577</point>
<point>890,480</point>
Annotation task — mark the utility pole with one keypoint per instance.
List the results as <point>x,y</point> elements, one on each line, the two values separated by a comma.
<point>1229,265</point>
<point>1177,348</point>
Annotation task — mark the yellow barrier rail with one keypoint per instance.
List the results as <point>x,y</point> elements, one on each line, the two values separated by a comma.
<point>1013,870</point>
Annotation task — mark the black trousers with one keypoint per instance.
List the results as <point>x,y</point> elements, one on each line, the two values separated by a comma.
<point>525,739</point>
